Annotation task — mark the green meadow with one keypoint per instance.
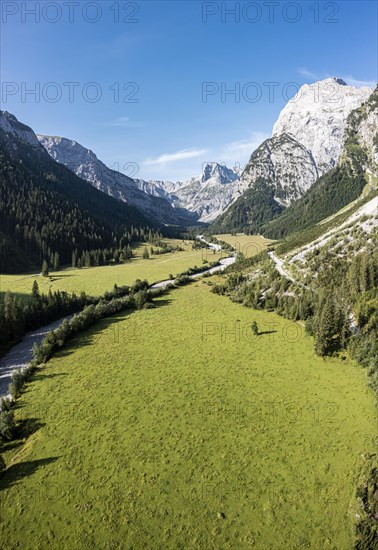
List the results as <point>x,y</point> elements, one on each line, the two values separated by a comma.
<point>248,245</point>
<point>97,280</point>
<point>175,427</point>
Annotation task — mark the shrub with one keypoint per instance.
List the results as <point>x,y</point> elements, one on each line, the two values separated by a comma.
<point>140,298</point>
<point>182,280</point>
<point>5,404</point>
<point>7,425</point>
<point>18,380</point>
<point>139,285</point>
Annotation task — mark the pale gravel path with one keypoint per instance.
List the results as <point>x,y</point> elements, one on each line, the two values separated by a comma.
<point>21,354</point>
<point>283,272</point>
<point>225,262</point>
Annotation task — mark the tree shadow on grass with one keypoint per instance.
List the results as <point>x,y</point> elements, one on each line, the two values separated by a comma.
<point>162,303</point>
<point>16,472</point>
<point>54,278</point>
<point>266,332</point>
<point>25,428</point>
<point>11,445</point>
<point>28,426</point>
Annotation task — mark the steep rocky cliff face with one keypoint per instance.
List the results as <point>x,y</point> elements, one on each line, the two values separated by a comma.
<point>85,164</point>
<point>357,166</point>
<point>360,144</point>
<point>283,162</point>
<point>308,139</point>
<point>316,117</point>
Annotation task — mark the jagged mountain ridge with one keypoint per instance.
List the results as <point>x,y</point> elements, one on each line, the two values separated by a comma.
<point>206,195</point>
<point>357,166</point>
<point>284,162</point>
<point>85,164</point>
<point>47,209</point>
<point>306,143</point>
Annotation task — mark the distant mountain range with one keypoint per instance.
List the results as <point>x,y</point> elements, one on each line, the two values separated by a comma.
<point>47,210</point>
<point>306,143</point>
<point>85,164</point>
<point>206,195</point>
<point>57,195</point>
<point>200,198</point>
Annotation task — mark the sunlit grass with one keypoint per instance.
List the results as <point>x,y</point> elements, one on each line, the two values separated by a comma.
<point>96,280</point>
<point>248,245</point>
<point>176,428</point>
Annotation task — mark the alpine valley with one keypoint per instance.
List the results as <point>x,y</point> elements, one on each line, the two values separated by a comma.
<point>193,364</point>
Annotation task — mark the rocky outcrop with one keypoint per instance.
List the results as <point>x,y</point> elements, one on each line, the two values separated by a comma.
<point>283,162</point>
<point>361,138</point>
<point>10,125</point>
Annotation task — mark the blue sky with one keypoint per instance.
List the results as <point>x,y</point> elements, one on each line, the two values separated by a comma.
<point>167,55</point>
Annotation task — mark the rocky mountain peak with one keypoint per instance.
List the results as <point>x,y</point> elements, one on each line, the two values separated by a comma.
<point>70,153</point>
<point>316,117</point>
<point>10,125</point>
<point>220,173</point>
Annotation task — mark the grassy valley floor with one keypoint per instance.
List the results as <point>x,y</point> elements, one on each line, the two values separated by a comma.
<point>248,245</point>
<point>97,280</point>
<point>177,428</point>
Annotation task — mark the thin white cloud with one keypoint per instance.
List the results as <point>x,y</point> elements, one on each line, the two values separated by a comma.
<point>237,150</point>
<point>359,83</point>
<point>233,154</point>
<point>124,121</point>
<point>168,158</point>
<point>309,74</point>
<point>237,153</point>
<point>349,79</point>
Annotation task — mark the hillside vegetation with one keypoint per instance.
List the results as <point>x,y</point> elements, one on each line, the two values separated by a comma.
<point>47,210</point>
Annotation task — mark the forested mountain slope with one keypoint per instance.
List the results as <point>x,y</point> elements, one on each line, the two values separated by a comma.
<point>47,210</point>
<point>85,164</point>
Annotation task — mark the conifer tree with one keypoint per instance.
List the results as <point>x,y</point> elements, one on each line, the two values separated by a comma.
<point>326,329</point>
<point>35,290</point>
<point>87,260</point>
<point>56,261</point>
<point>255,328</point>
<point>45,268</point>
<point>74,258</point>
